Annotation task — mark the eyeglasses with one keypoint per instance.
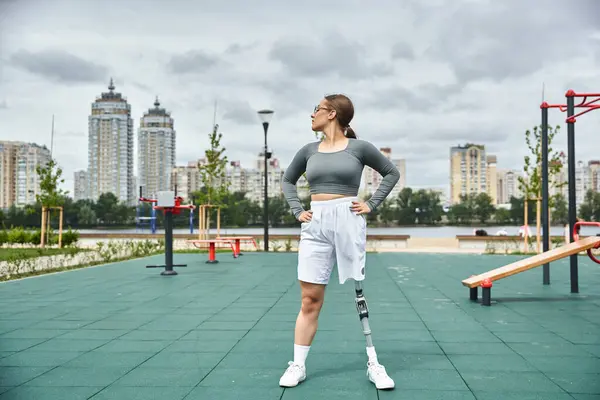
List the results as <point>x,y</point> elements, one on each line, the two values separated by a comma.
<point>318,108</point>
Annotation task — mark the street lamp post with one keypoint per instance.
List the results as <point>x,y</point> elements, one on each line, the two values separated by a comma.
<point>265,117</point>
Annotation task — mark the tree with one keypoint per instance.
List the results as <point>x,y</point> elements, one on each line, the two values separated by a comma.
<point>590,208</point>
<point>406,210</point>
<point>212,171</point>
<point>50,194</point>
<point>213,174</point>
<point>428,207</point>
<point>560,211</point>
<point>484,207</point>
<point>531,184</point>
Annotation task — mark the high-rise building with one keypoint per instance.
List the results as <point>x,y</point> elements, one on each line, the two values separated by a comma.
<point>19,180</point>
<point>472,171</point>
<point>110,147</point>
<point>80,185</point>
<point>8,162</point>
<point>187,179</point>
<point>594,166</point>
<point>371,179</point>
<point>508,185</point>
<point>156,151</point>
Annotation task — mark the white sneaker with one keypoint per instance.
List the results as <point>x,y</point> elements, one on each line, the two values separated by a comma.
<point>377,374</point>
<point>293,375</point>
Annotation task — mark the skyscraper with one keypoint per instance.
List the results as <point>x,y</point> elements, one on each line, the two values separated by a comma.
<point>110,147</point>
<point>472,171</point>
<point>156,150</point>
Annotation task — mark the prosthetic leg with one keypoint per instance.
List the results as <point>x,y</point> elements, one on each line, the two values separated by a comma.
<point>363,312</point>
<point>375,371</point>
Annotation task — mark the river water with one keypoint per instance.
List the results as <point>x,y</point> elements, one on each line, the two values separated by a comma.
<point>424,232</point>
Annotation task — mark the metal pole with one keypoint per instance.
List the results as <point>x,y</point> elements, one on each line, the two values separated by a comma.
<point>266,199</point>
<point>169,243</point>
<point>571,178</point>
<point>545,194</point>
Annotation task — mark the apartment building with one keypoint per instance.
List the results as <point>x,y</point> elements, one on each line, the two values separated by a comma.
<point>156,150</point>
<point>371,179</point>
<point>19,181</point>
<point>80,185</point>
<point>508,185</point>
<point>472,170</point>
<point>247,180</point>
<point>110,147</point>
<point>186,178</point>
<point>8,164</point>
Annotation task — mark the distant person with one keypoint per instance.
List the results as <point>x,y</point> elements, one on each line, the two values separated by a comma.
<point>334,229</point>
<point>524,231</point>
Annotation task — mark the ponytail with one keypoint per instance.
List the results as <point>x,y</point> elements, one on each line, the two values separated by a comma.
<point>350,133</point>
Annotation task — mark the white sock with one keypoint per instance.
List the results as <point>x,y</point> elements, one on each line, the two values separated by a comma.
<point>300,354</point>
<point>372,354</point>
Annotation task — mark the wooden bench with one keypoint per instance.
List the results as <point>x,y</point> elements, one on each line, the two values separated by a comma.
<point>485,280</point>
<point>212,245</point>
<point>237,240</point>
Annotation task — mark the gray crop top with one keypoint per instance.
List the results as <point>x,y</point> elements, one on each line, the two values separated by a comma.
<point>338,172</point>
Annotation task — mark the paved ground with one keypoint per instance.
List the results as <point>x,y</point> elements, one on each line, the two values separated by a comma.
<point>225,331</point>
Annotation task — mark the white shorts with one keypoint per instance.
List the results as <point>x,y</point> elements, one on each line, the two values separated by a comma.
<point>334,234</point>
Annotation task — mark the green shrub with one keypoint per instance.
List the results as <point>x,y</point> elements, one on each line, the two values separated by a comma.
<point>35,237</point>
<point>69,237</point>
<point>18,236</point>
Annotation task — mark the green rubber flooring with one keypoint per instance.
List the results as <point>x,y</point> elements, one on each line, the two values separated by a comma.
<point>225,331</point>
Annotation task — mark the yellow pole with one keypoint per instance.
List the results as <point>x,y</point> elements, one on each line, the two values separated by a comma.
<point>219,222</point>
<point>201,218</point>
<point>42,235</point>
<point>525,232</point>
<point>60,227</point>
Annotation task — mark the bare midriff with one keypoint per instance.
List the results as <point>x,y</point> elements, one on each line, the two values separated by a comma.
<point>327,196</point>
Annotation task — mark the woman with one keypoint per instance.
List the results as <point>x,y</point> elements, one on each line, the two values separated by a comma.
<point>334,229</point>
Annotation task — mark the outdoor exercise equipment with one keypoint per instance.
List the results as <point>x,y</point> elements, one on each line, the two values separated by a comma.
<point>212,247</point>
<point>152,218</point>
<point>46,214</point>
<point>571,249</point>
<point>170,204</point>
<point>571,119</point>
<point>576,237</point>
<point>237,242</point>
<point>140,219</point>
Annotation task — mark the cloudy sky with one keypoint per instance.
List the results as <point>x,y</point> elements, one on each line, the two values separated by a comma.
<point>424,75</point>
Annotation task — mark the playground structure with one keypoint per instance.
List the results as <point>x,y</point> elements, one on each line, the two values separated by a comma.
<point>572,213</point>
<point>46,213</point>
<point>170,204</point>
<point>204,237</point>
<point>141,220</point>
<point>485,280</point>
<point>574,245</point>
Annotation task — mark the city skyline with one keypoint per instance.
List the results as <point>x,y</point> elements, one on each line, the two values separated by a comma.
<point>417,96</point>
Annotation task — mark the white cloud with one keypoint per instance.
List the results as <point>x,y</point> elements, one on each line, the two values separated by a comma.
<point>423,75</point>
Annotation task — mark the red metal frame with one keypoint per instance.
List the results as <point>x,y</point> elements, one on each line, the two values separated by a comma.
<point>576,237</point>
<point>176,209</point>
<point>212,246</point>
<point>590,106</point>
